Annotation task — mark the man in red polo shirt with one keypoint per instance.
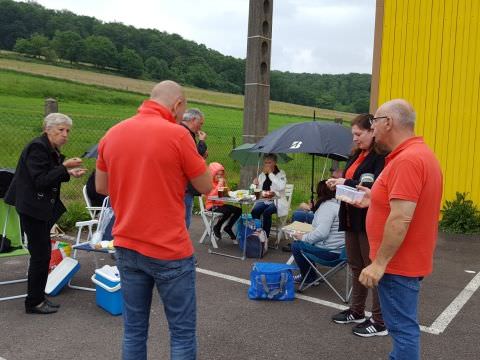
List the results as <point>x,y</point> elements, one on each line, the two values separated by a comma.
<point>402,223</point>
<point>144,163</point>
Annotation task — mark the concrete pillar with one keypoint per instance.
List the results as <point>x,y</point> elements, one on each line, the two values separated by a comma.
<point>257,78</point>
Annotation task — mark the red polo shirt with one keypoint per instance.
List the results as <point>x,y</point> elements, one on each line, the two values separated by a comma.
<point>149,160</point>
<point>412,173</point>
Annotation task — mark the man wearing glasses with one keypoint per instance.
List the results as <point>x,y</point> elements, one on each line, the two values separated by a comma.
<point>402,223</point>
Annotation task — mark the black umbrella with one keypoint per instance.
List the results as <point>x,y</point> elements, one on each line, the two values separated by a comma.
<point>92,152</point>
<point>321,138</point>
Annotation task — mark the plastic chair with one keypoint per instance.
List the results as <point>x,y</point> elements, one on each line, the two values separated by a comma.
<point>11,229</point>
<point>208,218</point>
<point>94,211</point>
<point>281,221</point>
<point>334,266</point>
<point>85,244</point>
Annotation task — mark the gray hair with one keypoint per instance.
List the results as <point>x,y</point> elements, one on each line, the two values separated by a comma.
<point>192,114</point>
<point>403,111</point>
<point>55,119</point>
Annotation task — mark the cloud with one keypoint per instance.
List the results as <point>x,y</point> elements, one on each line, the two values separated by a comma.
<point>317,36</point>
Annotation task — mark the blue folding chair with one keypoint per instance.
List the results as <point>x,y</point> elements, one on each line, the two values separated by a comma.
<point>333,266</point>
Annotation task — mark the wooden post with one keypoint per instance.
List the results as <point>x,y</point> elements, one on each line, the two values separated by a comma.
<point>51,106</point>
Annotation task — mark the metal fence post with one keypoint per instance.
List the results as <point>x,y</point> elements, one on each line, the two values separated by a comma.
<point>335,166</point>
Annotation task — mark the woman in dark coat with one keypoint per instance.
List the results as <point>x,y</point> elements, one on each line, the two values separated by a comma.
<point>365,160</point>
<point>35,193</point>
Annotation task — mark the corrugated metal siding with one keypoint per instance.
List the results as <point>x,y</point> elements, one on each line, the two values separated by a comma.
<point>431,56</point>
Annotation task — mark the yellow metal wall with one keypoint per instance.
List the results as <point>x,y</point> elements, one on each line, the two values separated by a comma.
<point>430,55</point>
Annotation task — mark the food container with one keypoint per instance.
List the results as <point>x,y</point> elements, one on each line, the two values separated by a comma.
<point>108,289</point>
<point>348,194</point>
<point>61,275</point>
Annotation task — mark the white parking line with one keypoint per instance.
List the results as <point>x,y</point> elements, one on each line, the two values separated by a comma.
<point>437,327</point>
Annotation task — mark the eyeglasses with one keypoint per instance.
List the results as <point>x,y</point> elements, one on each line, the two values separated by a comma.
<point>373,120</point>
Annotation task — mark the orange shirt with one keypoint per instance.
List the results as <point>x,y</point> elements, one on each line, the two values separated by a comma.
<point>149,160</point>
<point>352,168</point>
<point>411,173</point>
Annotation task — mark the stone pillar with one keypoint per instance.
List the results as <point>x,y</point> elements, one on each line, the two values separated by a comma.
<point>51,106</point>
<point>257,78</point>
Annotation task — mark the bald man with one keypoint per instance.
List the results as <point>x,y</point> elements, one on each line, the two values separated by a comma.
<point>402,223</point>
<point>144,164</point>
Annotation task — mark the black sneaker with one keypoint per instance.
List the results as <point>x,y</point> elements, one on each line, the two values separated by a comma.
<point>369,328</point>
<point>347,317</point>
<point>230,233</point>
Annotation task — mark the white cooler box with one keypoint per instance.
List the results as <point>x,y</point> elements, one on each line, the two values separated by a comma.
<point>61,275</point>
<point>108,293</point>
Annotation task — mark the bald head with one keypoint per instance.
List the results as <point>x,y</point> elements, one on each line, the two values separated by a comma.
<point>170,94</point>
<point>399,110</point>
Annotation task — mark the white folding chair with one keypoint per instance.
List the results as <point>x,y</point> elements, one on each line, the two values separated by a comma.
<point>94,211</point>
<point>208,218</point>
<point>281,221</point>
<point>84,244</point>
<point>11,229</point>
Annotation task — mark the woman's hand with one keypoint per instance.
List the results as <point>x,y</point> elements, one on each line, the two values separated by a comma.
<point>255,181</point>
<point>365,202</point>
<point>72,163</point>
<point>221,181</point>
<point>333,182</point>
<point>304,206</point>
<point>298,235</point>
<point>77,172</point>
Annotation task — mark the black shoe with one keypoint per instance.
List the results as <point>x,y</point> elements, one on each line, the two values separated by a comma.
<point>347,317</point>
<point>287,248</point>
<point>216,233</point>
<point>52,304</point>
<point>230,233</point>
<point>42,308</point>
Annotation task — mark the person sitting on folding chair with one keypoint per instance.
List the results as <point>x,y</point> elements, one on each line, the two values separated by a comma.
<point>272,181</point>
<point>325,240</point>
<point>229,212</point>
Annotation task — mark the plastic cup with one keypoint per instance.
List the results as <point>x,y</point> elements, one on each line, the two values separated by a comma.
<point>221,192</point>
<point>258,193</point>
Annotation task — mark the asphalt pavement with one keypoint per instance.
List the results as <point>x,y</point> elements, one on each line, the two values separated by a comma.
<point>232,327</point>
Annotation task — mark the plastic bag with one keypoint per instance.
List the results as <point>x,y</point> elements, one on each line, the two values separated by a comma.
<point>105,219</point>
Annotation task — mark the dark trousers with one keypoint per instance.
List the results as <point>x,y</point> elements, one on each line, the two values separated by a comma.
<point>358,258</point>
<point>40,248</point>
<point>264,210</point>
<point>228,212</point>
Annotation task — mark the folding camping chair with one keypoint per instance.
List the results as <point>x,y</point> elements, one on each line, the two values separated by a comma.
<point>334,266</point>
<point>94,211</point>
<point>281,221</point>
<point>85,244</point>
<point>10,223</point>
<point>208,218</point>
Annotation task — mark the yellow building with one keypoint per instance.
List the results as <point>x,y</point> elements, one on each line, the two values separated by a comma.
<point>428,52</point>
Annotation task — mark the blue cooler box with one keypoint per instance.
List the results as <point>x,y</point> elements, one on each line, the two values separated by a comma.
<point>108,290</point>
<point>61,275</point>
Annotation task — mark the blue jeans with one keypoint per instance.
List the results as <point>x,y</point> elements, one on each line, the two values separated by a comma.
<point>188,208</point>
<point>303,216</point>
<point>265,211</point>
<point>175,282</point>
<point>399,302</point>
<point>302,264</point>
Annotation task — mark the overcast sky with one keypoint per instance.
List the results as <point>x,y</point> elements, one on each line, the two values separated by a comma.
<point>316,36</point>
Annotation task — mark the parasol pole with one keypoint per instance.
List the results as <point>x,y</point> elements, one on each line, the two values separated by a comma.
<point>313,171</point>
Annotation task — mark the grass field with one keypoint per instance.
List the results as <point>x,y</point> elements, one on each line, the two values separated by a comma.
<point>144,87</point>
<point>95,109</point>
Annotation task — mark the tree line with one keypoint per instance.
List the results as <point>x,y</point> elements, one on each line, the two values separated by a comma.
<point>31,29</point>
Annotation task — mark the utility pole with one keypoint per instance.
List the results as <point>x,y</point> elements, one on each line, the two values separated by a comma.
<point>257,78</point>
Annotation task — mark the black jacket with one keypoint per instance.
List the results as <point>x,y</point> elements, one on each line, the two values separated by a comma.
<point>352,218</point>
<point>202,149</point>
<point>35,188</point>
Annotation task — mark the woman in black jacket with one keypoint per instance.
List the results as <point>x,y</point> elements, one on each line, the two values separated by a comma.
<point>35,193</point>
<point>365,160</point>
